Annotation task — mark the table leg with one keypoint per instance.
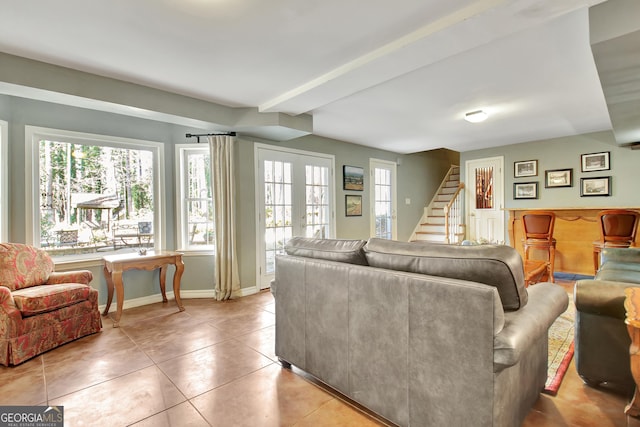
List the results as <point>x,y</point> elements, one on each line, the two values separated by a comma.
<point>633,408</point>
<point>117,282</point>
<point>107,276</point>
<point>163,281</point>
<point>176,281</point>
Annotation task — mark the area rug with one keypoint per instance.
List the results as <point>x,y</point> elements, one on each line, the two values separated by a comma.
<point>560,349</point>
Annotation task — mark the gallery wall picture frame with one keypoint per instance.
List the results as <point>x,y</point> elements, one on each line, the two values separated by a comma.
<point>525,190</point>
<point>525,168</point>
<point>558,178</point>
<point>595,187</point>
<point>353,205</point>
<point>352,178</point>
<point>592,162</point>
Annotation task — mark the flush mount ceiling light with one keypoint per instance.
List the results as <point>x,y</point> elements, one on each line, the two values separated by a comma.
<point>476,116</point>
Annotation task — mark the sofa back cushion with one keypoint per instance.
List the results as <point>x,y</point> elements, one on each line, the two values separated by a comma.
<point>340,250</point>
<point>23,266</point>
<point>494,265</point>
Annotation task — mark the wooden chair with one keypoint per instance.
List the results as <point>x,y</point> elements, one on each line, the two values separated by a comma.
<point>618,229</point>
<point>538,234</point>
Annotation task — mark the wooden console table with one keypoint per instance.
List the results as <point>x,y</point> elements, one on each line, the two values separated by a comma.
<point>575,231</point>
<point>632,306</point>
<point>114,265</point>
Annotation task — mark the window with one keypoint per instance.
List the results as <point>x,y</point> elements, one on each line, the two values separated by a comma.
<point>383,194</point>
<point>4,188</point>
<point>195,199</point>
<point>91,193</point>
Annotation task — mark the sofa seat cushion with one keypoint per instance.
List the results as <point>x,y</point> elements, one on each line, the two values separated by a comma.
<point>498,266</point>
<point>22,266</point>
<point>340,250</point>
<point>42,299</point>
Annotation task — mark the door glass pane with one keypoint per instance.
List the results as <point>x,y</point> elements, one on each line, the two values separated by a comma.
<point>317,201</point>
<point>484,188</point>
<point>382,204</point>
<point>277,209</point>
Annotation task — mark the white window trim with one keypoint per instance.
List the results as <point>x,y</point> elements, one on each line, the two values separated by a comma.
<point>32,174</point>
<point>181,207</point>
<point>4,181</point>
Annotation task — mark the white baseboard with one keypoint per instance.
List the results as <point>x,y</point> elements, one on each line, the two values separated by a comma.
<point>184,294</point>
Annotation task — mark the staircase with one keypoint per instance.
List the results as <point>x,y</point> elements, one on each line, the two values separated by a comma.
<point>442,220</point>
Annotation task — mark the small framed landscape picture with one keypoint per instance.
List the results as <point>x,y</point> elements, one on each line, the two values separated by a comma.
<point>600,186</point>
<point>352,178</point>
<point>525,168</point>
<point>558,178</point>
<point>525,190</point>
<point>595,162</point>
<point>353,205</point>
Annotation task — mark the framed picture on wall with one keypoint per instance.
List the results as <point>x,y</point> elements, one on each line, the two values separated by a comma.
<point>600,186</point>
<point>558,178</point>
<point>525,168</point>
<point>595,162</point>
<point>525,190</point>
<point>353,205</point>
<point>352,178</point>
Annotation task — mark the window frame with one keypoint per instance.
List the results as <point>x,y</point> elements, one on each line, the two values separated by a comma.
<point>182,216</point>
<point>33,134</point>
<point>4,181</point>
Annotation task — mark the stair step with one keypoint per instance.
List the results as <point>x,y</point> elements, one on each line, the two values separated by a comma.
<point>431,228</point>
<point>434,220</point>
<point>448,190</point>
<point>443,198</point>
<point>440,205</point>
<point>451,184</point>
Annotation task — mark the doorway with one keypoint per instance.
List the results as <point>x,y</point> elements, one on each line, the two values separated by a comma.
<point>485,199</point>
<point>294,197</point>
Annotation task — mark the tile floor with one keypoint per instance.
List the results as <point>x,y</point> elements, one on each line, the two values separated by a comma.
<point>214,365</point>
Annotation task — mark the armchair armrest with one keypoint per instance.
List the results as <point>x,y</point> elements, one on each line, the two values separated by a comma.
<point>524,327</point>
<point>10,316</point>
<point>79,276</point>
<point>601,297</point>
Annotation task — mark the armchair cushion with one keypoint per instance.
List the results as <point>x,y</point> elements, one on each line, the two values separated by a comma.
<point>23,266</point>
<point>41,299</point>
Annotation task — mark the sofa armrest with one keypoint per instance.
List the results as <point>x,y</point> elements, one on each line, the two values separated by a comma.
<point>527,325</point>
<point>10,316</point>
<point>601,297</point>
<point>79,276</point>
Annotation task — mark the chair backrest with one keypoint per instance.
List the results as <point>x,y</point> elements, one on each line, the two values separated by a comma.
<point>618,225</point>
<point>538,224</point>
<point>23,266</point>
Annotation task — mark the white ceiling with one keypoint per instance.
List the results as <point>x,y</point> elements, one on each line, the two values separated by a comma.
<point>394,75</point>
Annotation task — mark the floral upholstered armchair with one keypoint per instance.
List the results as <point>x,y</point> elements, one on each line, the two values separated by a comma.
<point>41,309</point>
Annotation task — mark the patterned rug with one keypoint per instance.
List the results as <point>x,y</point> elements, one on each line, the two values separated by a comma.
<point>560,349</point>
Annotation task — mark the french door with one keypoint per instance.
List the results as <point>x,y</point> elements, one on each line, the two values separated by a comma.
<point>295,197</point>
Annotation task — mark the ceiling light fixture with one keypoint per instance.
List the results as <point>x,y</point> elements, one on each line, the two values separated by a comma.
<point>476,116</point>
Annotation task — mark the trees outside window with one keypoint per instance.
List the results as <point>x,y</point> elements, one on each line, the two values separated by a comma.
<point>92,195</point>
<point>195,201</point>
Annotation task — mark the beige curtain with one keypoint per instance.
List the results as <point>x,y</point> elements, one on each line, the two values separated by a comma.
<point>223,183</point>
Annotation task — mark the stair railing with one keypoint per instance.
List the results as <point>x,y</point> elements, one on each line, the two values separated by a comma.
<point>453,216</point>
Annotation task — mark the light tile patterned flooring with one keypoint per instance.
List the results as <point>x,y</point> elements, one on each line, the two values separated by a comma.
<point>214,365</point>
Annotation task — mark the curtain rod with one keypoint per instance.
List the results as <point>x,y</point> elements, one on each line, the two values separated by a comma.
<point>198,135</point>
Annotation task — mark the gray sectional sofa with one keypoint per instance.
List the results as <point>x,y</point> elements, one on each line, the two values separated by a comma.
<point>420,334</point>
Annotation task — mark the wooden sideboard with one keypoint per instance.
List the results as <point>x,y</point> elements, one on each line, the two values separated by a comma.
<point>575,231</point>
